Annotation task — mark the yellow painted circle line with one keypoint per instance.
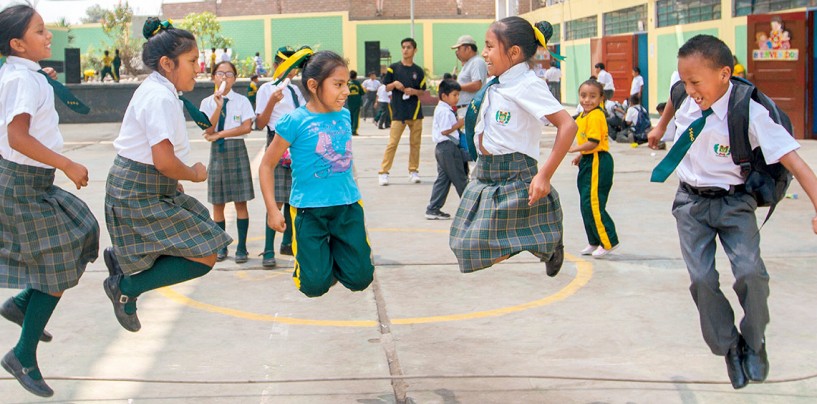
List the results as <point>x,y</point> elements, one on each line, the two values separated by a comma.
<point>373,230</point>
<point>584,271</point>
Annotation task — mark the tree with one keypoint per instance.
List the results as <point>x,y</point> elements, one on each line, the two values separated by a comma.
<point>93,14</point>
<point>116,25</point>
<point>63,23</point>
<point>207,30</point>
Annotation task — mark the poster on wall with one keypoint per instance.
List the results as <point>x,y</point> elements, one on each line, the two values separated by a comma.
<point>775,44</point>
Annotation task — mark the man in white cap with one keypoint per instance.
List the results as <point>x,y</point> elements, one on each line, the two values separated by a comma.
<point>474,70</point>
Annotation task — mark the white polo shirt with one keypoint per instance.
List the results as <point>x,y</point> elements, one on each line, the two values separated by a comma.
<point>444,119</point>
<point>473,69</point>
<point>708,163</point>
<point>553,74</point>
<point>24,91</point>
<point>155,113</point>
<point>239,110</point>
<point>636,85</point>
<point>607,79</point>
<point>513,112</point>
<point>383,95</point>
<point>285,106</point>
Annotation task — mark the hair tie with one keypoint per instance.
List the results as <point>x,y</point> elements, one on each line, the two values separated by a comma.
<point>167,24</point>
<point>543,30</point>
<point>153,26</point>
<point>295,61</point>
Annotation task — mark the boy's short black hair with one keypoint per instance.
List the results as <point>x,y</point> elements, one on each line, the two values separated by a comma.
<point>447,76</point>
<point>709,48</point>
<point>660,107</point>
<point>637,69</point>
<point>253,77</point>
<point>353,74</point>
<point>599,66</point>
<point>409,40</point>
<point>448,86</point>
<point>635,99</point>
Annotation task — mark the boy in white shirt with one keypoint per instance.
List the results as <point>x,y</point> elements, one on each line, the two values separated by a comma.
<point>451,163</point>
<point>383,117</point>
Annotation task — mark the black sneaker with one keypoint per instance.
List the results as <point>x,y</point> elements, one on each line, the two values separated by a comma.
<point>437,215</point>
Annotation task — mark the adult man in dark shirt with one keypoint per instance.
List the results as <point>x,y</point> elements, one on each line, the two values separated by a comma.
<point>407,83</point>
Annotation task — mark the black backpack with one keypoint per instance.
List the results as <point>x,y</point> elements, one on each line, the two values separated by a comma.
<point>767,183</point>
<point>642,124</point>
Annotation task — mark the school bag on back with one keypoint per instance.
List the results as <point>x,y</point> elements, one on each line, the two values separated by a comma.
<point>767,183</point>
<point>642,125</point>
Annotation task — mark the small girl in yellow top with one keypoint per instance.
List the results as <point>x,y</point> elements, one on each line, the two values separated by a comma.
<point>595,171</point>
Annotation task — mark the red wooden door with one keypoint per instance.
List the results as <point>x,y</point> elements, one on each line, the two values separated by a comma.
<point>619,53</point>
<point>776,64</point>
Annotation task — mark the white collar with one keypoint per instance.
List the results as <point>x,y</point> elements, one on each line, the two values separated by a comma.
<point>23,62</point>
<point>164,82</point>
<point>515,72</point>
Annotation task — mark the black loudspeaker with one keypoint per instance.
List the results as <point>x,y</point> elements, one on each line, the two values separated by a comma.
<point>372,49</point>
<point>73,73</point>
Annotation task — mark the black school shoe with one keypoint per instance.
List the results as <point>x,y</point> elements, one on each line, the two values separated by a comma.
<point>554,264</point>
<point>755,364</point>
<point>13,366</point>
<point>286,249</point>
<point>111,262</point>
<point>734,366</point>
<point>129,322</point>
<point>221,255</point>
<point>11,312</point>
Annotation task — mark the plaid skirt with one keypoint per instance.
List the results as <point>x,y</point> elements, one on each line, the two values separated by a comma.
<point>48,234</point>
<point>283,177</point>
<point>229,178</point>
<point>494,219</point>
<point>147,217</point>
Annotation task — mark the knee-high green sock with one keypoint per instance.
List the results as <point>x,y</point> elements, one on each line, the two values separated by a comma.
<point>243,226</point>
<point>223,226</point>
<point>22,298</point>
<point>40,307</point>
<point>286,239</point>
<point>269,241</point>
<point>167,270</point>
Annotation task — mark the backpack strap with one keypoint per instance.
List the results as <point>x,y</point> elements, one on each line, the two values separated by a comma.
<point>738,120</point>
<point>677,94</point>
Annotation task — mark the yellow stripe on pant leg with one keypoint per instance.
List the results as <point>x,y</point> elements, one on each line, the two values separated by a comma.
<point>296,277</point>
<point>369,243</point>
<point>595,205</point>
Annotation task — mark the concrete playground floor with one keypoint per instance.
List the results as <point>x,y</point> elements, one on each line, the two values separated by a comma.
<point>618,330</point>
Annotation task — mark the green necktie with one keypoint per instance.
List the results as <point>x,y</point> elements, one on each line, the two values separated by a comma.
<point>221,119</point>
<point>294,97</point>
<point>64,94</point>
<point>200,118</point>
<point>662,171</point>
<point>471,117</point>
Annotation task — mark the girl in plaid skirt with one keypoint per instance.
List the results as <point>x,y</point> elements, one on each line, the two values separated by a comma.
<point>229,178</point>
<point>48,234</point>
<point>509,206</point>
<point>160,235</point>
<point>329,236</point>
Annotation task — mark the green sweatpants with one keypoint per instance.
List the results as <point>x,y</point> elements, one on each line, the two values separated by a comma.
<point>330,245</point>
<point>594,181</point>
<point>354,110</point>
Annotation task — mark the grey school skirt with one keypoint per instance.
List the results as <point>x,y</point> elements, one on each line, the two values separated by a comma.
<point>282,175</point>
<point>229,178</point>
<point>147,217</point>
<point>48,235</point>
<point>494,219</point>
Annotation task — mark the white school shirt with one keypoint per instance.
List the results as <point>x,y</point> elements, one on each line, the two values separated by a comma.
<point>370,85</point>
<point>285,106</point>
<point>444,119</point>
<point>155,113</point>
<point>24,91</point>
<point>513,112</point>
<point>474,69</point>
<point>553,74</point>
<point>708,163</point>
<point>606,79</point>
<point>671,128</point>
<point>239,109</point>
<point>636,85</point>
<point>383,95</point>
<point>632,114</point>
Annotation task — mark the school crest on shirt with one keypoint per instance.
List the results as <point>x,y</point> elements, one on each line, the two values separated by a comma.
<point>722,150</point>
<point>237,118</point>
<point>503,117</point>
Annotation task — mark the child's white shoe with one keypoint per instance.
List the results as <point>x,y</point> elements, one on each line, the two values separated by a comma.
<point>589,249</point>
<point>601,252</point>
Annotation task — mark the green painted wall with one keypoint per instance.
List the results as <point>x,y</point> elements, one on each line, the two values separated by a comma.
<point>247,36</point>
<point>445,35</point>
<point>740,44</point>
<point>321,33</point>
<point>575,69</point>
<point>85,37</point>
<point>668,45</point>
<point>58,44</point>
<point>389,36</point>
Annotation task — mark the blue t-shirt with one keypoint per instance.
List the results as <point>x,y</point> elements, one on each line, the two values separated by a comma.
<point>321,149</point>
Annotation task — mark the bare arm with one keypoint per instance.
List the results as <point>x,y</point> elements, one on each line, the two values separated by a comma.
<point>21,140</point>
<point>262,119</point>
<point>565,133</point>
<point>245,128</point>
<point>586,146</point>
<point>805,176</point>
<point>266,176</point>
<point>165,160</point>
